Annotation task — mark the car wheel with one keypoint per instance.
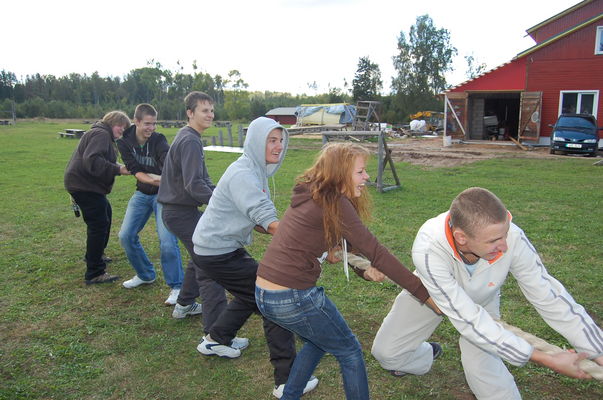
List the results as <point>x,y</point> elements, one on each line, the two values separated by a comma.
<point>593,154</point>
<point>551,151</point>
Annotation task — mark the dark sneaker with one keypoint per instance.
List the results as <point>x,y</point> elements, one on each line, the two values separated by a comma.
<point>437,351</point>
<point>104,278</point>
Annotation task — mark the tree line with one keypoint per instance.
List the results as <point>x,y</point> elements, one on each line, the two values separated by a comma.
<point>422,59</point>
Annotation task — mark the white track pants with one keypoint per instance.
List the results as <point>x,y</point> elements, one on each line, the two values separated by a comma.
<point>401,345</point>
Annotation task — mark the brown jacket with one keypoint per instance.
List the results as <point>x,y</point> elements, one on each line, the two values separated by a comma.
<point>93,165</point>
<point>291,259</point>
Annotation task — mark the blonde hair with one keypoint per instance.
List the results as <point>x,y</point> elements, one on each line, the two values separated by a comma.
<point>329,178</point>
<point>117,118</point>
<point>475,208</point>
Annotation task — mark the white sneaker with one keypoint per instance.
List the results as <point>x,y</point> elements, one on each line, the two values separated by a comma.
<point>172,298</point>
<point>311,385</point>
<point>210,348</point>
<point>239,343</point>
<point>135,282</point>
<point>182,311</point>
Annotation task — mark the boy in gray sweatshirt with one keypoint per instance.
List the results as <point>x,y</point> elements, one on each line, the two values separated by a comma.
<point>185,186</point>
<point>240,204</point>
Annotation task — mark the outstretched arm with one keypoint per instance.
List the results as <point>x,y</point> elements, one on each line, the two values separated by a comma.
<point>565,363</point>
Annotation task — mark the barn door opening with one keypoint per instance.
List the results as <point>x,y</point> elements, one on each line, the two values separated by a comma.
<point>455,112</point>
<point>529,116</point>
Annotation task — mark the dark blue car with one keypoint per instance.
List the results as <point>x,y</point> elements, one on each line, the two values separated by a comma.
<point>575,133</point>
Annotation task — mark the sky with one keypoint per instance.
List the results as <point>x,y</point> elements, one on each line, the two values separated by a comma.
<point>276,45</point>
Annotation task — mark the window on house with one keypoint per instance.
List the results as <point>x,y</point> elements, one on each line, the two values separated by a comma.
<point>599,43</point>
<point>578,102</point>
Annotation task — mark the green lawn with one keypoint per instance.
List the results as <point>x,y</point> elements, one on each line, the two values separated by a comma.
<point>63,340</point>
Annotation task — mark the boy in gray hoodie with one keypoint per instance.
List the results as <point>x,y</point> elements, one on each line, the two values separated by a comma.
<point>239,204</point>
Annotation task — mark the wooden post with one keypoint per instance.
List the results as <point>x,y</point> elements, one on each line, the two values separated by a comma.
<point>380,166</point>
<point>383,154</point>
<point>221,137</point>
<point>213,140</point>
<point>240,135</point>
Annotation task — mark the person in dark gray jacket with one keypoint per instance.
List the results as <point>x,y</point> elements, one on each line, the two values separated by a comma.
<point>185,186</point>
<point>89,177</point>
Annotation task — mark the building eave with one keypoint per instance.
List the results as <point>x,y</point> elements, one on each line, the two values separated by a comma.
<point>557,16</point>
<point>557,37</point>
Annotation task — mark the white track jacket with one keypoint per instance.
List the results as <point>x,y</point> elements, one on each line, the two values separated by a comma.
<point>472,302</point>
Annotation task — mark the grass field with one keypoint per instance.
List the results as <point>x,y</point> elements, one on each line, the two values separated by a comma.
<point>62,340</point>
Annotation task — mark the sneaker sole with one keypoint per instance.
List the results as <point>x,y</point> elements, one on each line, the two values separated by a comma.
<point>101,282</point>
<point>178,316</point>
<point>134,287</point>
<point>310,386</point>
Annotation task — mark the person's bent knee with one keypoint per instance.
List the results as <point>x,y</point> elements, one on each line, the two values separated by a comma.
<point>125,238</point>
<point>381,352</point>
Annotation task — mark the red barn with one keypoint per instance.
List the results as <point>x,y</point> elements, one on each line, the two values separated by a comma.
<point>283,115</point>
<point>562,72</point>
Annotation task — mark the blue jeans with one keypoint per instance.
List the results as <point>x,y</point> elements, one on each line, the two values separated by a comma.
<point>138,212</point>
<point>311,315</point>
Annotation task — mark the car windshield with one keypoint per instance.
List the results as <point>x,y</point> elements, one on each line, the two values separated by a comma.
<point>575,122</point>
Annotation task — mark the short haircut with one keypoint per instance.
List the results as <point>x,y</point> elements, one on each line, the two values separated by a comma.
<point>144,109</point>
<point>475,208</point>
<point>117,118</point>
<point>193,98</point>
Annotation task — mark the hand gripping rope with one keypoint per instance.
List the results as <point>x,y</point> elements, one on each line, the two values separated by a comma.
<point>588,366</point>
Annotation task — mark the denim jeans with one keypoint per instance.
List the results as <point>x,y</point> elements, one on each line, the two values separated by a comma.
<point>97,214</point>
<point>138,212</point>
<point>311,315</point>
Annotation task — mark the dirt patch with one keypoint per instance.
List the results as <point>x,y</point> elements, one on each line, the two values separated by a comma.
<point>430,152</point>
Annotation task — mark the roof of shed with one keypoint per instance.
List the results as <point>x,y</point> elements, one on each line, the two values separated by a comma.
<point>282,111</point>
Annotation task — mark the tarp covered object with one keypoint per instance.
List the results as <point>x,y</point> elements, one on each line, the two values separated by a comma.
<point>325,114</point>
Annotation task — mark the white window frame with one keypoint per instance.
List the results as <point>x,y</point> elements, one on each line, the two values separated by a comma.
<point>599,41</point>
<point>580,92</point>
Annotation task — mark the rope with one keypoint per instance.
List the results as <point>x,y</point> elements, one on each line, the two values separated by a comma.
<point>358,262</point>
<point>588,366</point>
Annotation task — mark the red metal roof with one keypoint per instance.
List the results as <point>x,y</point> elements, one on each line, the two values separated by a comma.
<point>510,76</point>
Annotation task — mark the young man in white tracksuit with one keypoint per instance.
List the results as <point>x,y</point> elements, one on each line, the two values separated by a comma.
<point>463,257</point>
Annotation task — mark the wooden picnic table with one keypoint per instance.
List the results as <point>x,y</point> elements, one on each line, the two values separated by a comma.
<point>72,133</point>
<point>77,132</point>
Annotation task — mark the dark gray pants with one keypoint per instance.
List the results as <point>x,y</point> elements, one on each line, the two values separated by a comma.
<point>181,221</point>
<point>236,272</point>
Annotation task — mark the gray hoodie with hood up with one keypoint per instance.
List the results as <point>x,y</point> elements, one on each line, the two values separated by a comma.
<point>241,200</point>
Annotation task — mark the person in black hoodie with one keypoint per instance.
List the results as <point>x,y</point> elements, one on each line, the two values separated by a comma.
<point>89,177</point>
<point>143,151</point>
